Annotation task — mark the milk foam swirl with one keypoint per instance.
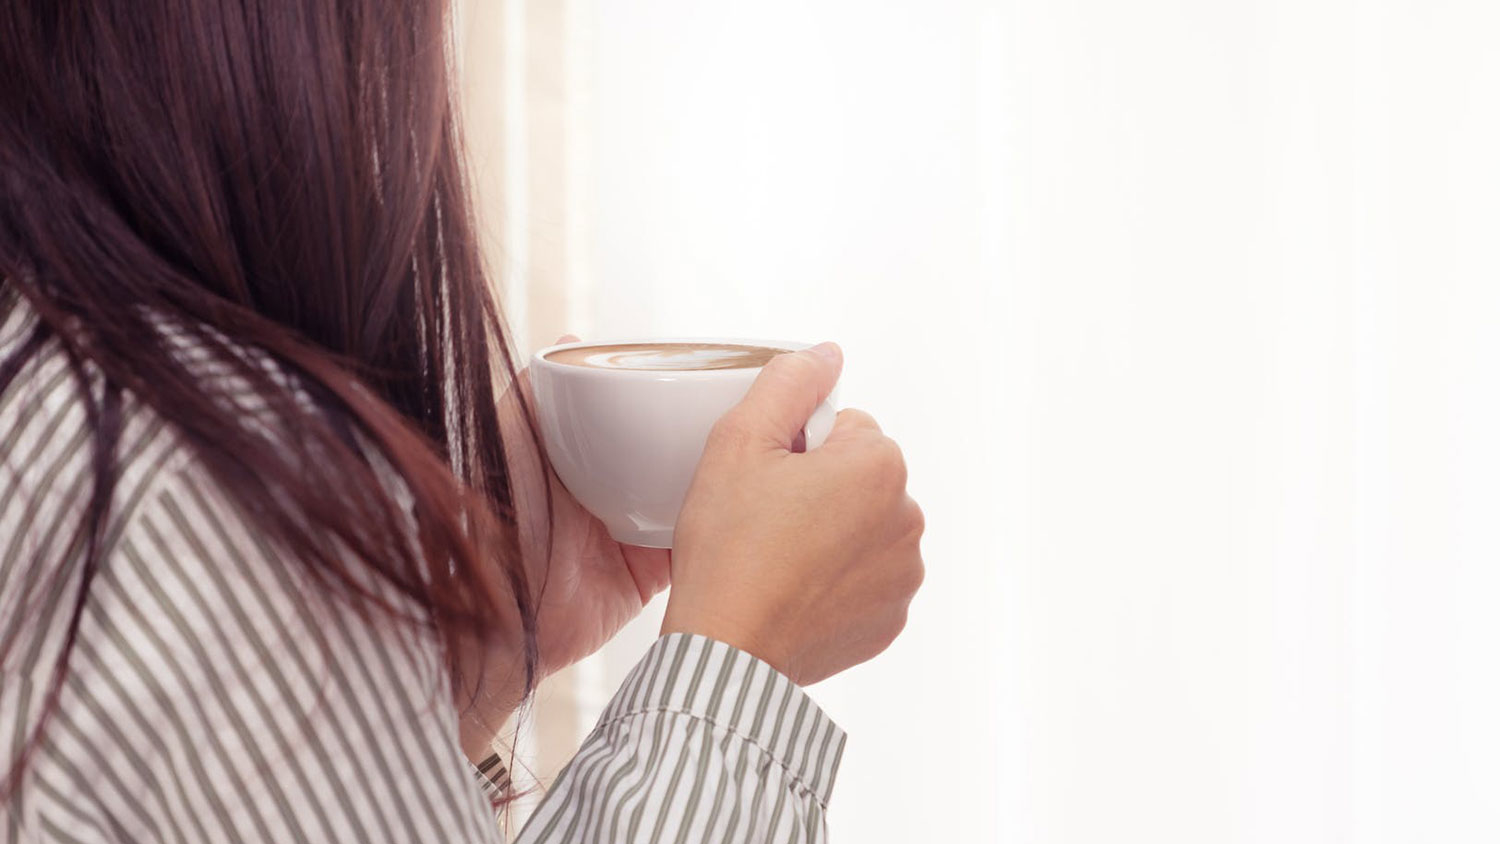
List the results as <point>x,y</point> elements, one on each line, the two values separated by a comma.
<point>666,357</point>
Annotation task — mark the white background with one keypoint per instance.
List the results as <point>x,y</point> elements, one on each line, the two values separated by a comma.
<point>1185,314</point>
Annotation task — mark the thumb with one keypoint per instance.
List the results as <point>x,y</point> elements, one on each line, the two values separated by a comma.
<point>785,394</point>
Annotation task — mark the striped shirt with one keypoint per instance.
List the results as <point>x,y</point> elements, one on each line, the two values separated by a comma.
<point>213,696</point>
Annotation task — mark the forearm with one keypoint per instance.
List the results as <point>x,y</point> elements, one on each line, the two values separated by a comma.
<point>703,742</point>
<point>476,736</point>
<point>484,711</point>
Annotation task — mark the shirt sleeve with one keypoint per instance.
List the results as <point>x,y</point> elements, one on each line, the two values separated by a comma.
<point>703,742</point>
<point>214,696</point>
<point>494,780</point>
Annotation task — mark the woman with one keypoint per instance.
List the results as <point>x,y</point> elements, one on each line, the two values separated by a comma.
<point>278,549</point>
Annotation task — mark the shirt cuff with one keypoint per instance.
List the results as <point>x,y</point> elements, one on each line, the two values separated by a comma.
<point>493,777</point>
<point>704,678</point>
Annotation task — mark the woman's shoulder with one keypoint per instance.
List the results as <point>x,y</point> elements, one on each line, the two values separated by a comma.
<point>195,650</point>
<point>164,507</point>
<point>53,407</point>
<point>184,582</point>
<point>50,407</point>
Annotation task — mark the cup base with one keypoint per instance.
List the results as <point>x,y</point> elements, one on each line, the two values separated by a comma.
<point>657,538</point>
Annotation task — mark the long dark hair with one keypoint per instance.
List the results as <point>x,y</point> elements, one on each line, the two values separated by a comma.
<point>283,176</point>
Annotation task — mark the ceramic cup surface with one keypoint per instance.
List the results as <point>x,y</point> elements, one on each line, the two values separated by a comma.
<point>625,442</point>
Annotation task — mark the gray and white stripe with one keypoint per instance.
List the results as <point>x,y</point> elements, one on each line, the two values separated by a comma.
<point>216,695</point>
<point>703,742</point>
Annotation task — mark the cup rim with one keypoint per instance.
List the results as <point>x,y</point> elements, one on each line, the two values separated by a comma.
<point>539,358</point>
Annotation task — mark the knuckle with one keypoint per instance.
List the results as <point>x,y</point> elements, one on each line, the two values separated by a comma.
<point>892,461</point>
<point>916,574</point>
<point>916,518</point>
<point>853,417</point>
<point>897,624</point>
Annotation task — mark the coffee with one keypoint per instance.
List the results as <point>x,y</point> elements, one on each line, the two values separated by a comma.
<point>666,357</point>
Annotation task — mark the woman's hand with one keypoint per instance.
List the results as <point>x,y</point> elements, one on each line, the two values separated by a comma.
<point>590,587</point>
<point>806,560</point>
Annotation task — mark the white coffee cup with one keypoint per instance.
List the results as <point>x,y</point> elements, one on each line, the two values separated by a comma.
<point>625,442</point>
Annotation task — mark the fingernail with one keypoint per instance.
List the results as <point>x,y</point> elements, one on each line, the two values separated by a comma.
<point>827,350</point>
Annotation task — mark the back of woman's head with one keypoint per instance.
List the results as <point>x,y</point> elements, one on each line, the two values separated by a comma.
<point>280,176</point>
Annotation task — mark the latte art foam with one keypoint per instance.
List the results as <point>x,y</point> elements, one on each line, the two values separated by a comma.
<point>666,357</point>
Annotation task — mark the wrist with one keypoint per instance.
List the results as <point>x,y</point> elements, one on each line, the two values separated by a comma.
<point>741,637</point>
<point>484,698</point>
<point>482,718</point>
<point>476,737</point>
